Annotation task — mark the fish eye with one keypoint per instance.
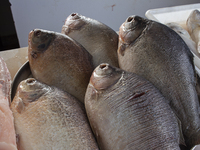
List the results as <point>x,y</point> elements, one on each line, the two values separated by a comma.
<point>41,46</point>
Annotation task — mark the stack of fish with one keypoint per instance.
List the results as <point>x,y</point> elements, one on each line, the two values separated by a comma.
<point>95,89</point>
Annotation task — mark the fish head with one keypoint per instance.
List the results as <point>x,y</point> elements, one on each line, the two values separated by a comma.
<point>28,91</point>
<point>39,41</point>
<point>130,31</point>
<point>105,76</point>
<point>74,22</point>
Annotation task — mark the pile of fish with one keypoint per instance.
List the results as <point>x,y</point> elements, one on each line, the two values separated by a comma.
<point>92,88</point>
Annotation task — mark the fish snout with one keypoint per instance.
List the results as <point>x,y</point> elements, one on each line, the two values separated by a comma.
<point>104,76</point>
<point>132,21</point>
<point>37,32</point>
<point>30,81</point>
<point>28,84</point>
<point>72,16</point>
<point>103,69</point>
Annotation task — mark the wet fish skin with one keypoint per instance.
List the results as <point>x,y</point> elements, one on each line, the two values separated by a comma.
<point>192,46</point>
<point>56,59</point>
<point>157,53</point>
<point>99,40</point>
<point>193,26</point>
<point>126,111</point>
<point>7,131</point>
<point>49,118</point>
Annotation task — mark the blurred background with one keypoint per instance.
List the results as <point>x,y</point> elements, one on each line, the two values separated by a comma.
<point>19,17</point>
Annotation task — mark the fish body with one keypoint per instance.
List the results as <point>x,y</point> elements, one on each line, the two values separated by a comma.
<point>157,53</point>
<point>127,112</point>
<point>49,118</point>
<point>193,26</point>
<point>98,39</point>
<point>7,131</point>
<point>187,39</point>
<point>56,59</point>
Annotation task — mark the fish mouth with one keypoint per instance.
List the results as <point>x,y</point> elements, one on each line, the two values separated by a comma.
<point>73,22</point>
<point>30,89</point>
<point>105,76</point>
<point>132,29</point>
<point>73,16</point>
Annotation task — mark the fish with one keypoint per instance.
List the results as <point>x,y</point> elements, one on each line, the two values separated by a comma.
<point>49,118</point>
<point>126,111</point>
<point>192,46</point>
<point>157,53</point>
<point>57,60</point>
<point>97,38</point>
<point>7,131</point>
<point>193,26</point>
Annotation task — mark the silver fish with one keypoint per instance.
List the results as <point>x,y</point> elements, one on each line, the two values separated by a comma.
<point>157,53</point>
<point>127,112</point>
<point>49,118</point>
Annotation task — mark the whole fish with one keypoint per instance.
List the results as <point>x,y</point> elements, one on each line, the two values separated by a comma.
<point>98,39</point>
<point>49,118</point>
<point>56,59</point>
<point>127,112</point>
<point>157,53</point>
<point>7,131</point>
<point>193,26</point>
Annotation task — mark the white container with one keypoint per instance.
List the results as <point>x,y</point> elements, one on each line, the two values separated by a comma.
<point>177,14</point>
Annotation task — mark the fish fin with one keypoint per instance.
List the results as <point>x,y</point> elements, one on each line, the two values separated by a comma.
<point>122,49</point>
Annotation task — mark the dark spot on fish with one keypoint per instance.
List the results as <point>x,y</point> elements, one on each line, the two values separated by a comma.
<point>34,54</point>
<point>122,49</point>
<point>138,94</point>
<point>42,46</point>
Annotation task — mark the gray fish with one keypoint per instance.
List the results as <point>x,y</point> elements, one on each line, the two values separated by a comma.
<point>56,59</point>
<point>127,112</point>
<point>98,39</point>
<point>49,118</point>
<point>157,53</point>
